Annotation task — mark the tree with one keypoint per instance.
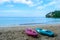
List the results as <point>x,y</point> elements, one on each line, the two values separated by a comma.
<point>55,14</point>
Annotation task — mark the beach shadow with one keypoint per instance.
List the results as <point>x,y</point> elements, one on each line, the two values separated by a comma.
<point>0,33</point>
<point>55,35</point>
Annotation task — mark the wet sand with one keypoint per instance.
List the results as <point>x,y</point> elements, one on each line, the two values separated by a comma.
<point>17,32</point>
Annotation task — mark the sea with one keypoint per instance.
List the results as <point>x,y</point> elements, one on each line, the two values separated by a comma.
<point>27,20</point>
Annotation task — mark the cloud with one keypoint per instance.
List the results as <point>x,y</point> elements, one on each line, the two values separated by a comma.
<point>37,3</point>
<point>57,5</point>
<point>30,3</point>
<point>46,5</point>
<point>10,5</point>
<point>54,3</point>
<point>27,2</point>
<point>3,1</point>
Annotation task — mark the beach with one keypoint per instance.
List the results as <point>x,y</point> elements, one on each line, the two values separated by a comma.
<point>18,33</point>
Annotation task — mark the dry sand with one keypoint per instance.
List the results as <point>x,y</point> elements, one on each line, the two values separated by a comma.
<point>17,32</point>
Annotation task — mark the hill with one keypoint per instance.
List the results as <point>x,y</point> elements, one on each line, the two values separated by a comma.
<point>55,14</point>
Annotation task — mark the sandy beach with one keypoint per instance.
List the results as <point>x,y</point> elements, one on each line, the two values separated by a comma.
<point>17,32</point>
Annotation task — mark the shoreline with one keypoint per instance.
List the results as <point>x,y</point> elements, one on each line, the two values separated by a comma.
<point>13,25</point>
<point>17,30</point>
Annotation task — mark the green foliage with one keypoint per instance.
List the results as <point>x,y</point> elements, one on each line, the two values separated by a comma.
<point>55,14</point>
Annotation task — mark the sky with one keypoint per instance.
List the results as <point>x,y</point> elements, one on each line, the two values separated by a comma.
<point>27,8</point>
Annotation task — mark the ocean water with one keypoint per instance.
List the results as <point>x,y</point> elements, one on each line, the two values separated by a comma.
<point>28,20</point>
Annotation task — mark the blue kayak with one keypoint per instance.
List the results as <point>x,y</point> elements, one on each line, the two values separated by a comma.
<point>45,32</point>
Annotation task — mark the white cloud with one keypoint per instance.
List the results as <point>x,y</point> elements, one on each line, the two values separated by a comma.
<point>2,1</point>
<point>10,5</point>
<point>46,5</point>
<point>40,7</point>
<point>54,3</point>
<point>30,3</point>
<point>57,5</point>
<point>37,3</point>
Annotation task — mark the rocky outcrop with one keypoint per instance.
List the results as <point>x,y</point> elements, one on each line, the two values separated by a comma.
<point>55,14</point>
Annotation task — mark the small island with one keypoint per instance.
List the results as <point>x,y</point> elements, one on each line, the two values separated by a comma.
<point>55,14</point>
